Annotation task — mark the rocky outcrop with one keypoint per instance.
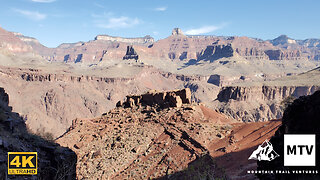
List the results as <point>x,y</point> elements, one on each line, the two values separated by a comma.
<point>239,93</point>
<point>131,54</point>
<point>177,32</point>
<point>161,99</point>
<point>147,141</point>
<point>301,117</point>
<point>215,52</point>
<point>71,45</point>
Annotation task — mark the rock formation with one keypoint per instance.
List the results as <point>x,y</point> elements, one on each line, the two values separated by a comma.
<point>258,103</point>
<point>144,137</point>
<point>162,99</point>
<point>252,53</point>
<point>177,32</point>
<point>151,141</point>
<point>131,54</point>
<point>215,52</point>
<point>284,55</point>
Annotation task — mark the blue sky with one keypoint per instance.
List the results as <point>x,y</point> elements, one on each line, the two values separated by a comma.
<point>53,22</point>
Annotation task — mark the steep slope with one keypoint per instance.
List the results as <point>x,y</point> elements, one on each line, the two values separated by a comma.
<point>9,43</point>
<point>54,161</point>
<point>161,135</point>
<point>264,101</point>
<point>231,153</point>
<point>143,141</point>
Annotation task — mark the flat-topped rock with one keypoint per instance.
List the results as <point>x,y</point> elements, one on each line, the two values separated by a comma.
<point>163,99</point>
<point>140,40</point>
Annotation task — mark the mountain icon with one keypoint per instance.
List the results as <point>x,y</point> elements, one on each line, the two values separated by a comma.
<point>264,152</point>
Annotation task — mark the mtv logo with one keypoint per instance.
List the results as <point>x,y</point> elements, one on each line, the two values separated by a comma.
<point>299,150</point>
<point>264,152</point>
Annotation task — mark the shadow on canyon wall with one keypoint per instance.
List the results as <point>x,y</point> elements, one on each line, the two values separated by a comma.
<point>54,161</point>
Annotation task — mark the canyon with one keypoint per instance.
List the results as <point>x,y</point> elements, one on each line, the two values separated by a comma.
<point>138,108</point>
<point>147,139</point>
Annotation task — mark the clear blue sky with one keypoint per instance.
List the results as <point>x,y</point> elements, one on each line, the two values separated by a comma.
<point>53,22</point>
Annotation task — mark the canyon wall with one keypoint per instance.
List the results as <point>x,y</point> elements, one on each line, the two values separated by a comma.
<point>54,161</point>
<point>175,47</point>
<point>50,101</point>
<point>146,40</point>
<point>259,103</point>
